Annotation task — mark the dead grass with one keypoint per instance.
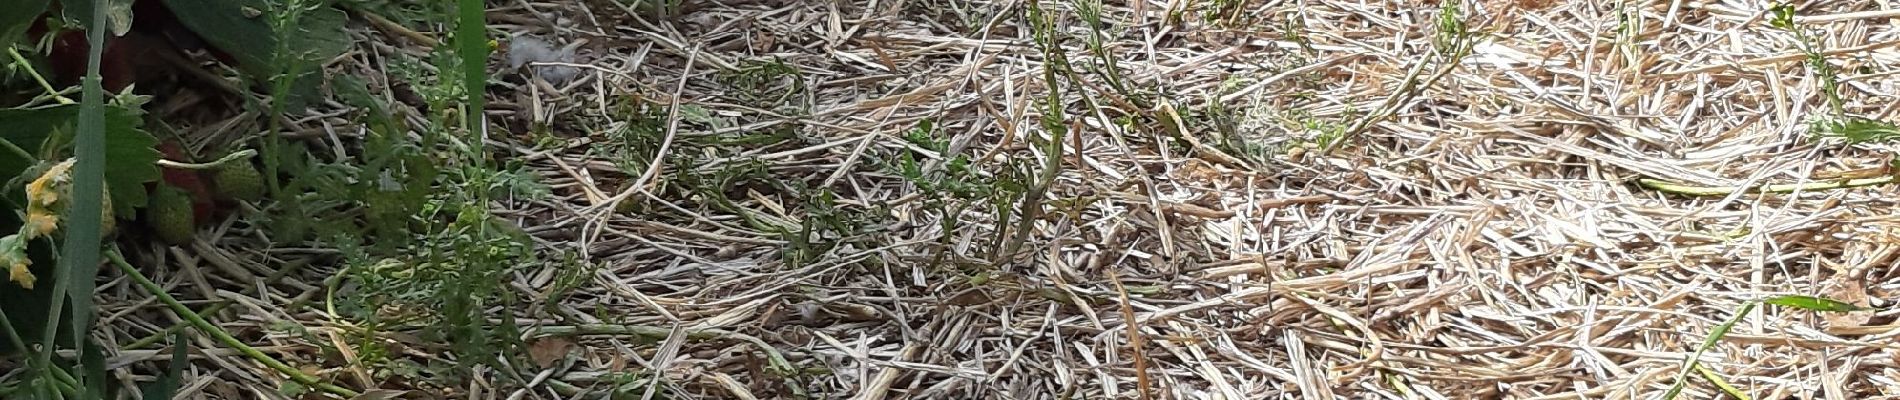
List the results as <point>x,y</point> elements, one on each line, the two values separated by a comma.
<point>1483,241</point>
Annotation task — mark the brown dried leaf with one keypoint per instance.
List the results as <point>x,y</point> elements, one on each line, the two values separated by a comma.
<point>1850,292</point>
<point>545,351</point>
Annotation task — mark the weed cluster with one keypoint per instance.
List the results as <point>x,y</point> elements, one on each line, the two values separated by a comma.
<point>407,204</point>
<point>1837,122</point>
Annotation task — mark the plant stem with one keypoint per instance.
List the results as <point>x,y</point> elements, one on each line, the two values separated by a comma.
<point>239,155</point>
<point>220,334</point>
<point>13,336</point>
<point>1695,359</point>
<point>21,61</point>
<point>1692,190</point>
<point>215,308</point>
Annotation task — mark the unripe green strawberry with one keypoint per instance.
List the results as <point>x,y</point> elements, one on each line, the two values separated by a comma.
<point>240,181</point>
<point>170,215</point>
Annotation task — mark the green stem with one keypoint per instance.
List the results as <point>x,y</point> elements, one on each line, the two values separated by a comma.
<point>216,307</point>
<point>63,380</point>
<point>1692,190</point>
<point>1695,359</point>
<point>13,336</point>
<point>17,151</point>
<point>21,61</point>
<point>220,334</point>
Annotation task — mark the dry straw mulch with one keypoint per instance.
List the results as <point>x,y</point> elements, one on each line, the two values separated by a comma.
<point>1481,240</point>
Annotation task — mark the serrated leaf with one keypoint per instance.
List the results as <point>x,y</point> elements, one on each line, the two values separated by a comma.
<point>1812,303</point>
<point>695,113</point>
<point>130,153</point>
<point>16,16</point>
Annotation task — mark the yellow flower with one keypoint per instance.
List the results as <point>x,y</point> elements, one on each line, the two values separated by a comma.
<point>13,255</point>
<point>50,186</point>
<point>44,194</point>
<point>19,274</point>
<point>40,224</point>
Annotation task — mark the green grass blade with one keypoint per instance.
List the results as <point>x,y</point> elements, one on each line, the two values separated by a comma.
<point>79,261</point>
<point>92,365</point>
<point>1689,365</point>
<point>1716,379</point>
<point>167,385</point>
<point>471,41</point>
<point>1812,303</point>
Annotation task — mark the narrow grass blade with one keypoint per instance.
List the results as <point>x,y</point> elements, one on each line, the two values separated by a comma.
<point>79,261</point>
<point>1690,364</point>
<point>1716,379</point>
<point>92,363</point>
<point>167,385</point>
<point>471,44</point>
<point>1812,303</point>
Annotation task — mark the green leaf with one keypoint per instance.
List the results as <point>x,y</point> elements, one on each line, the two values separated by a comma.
<point>1812,303</point>
<point>1783,16</point>
<point>16,16</point>
<point>167,385</point>
<point>697,114</point>
<point>245,30</point>
<point>130,151</point>
<point>1695,359</point>
<point>471,44</point>
<point>1716,379</point>
<point>92,363</point>
<point>1861,130</point>
<point>28,310</point>
<point>79,255</point>
<point>118,14</point>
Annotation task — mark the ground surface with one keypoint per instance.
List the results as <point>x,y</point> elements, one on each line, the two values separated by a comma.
<point>1227,193</point>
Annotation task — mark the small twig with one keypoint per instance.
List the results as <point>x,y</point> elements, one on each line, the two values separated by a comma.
<point>385,23</point>
<point>599,221</point>
<point>220,334</point>
<point>1142,382</point>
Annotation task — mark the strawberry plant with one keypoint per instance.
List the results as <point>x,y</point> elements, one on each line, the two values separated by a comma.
<point>55,153</point>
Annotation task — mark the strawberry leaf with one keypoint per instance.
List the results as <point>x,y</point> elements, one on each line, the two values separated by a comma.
<point>131,159</point>
<point>16,16</point>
